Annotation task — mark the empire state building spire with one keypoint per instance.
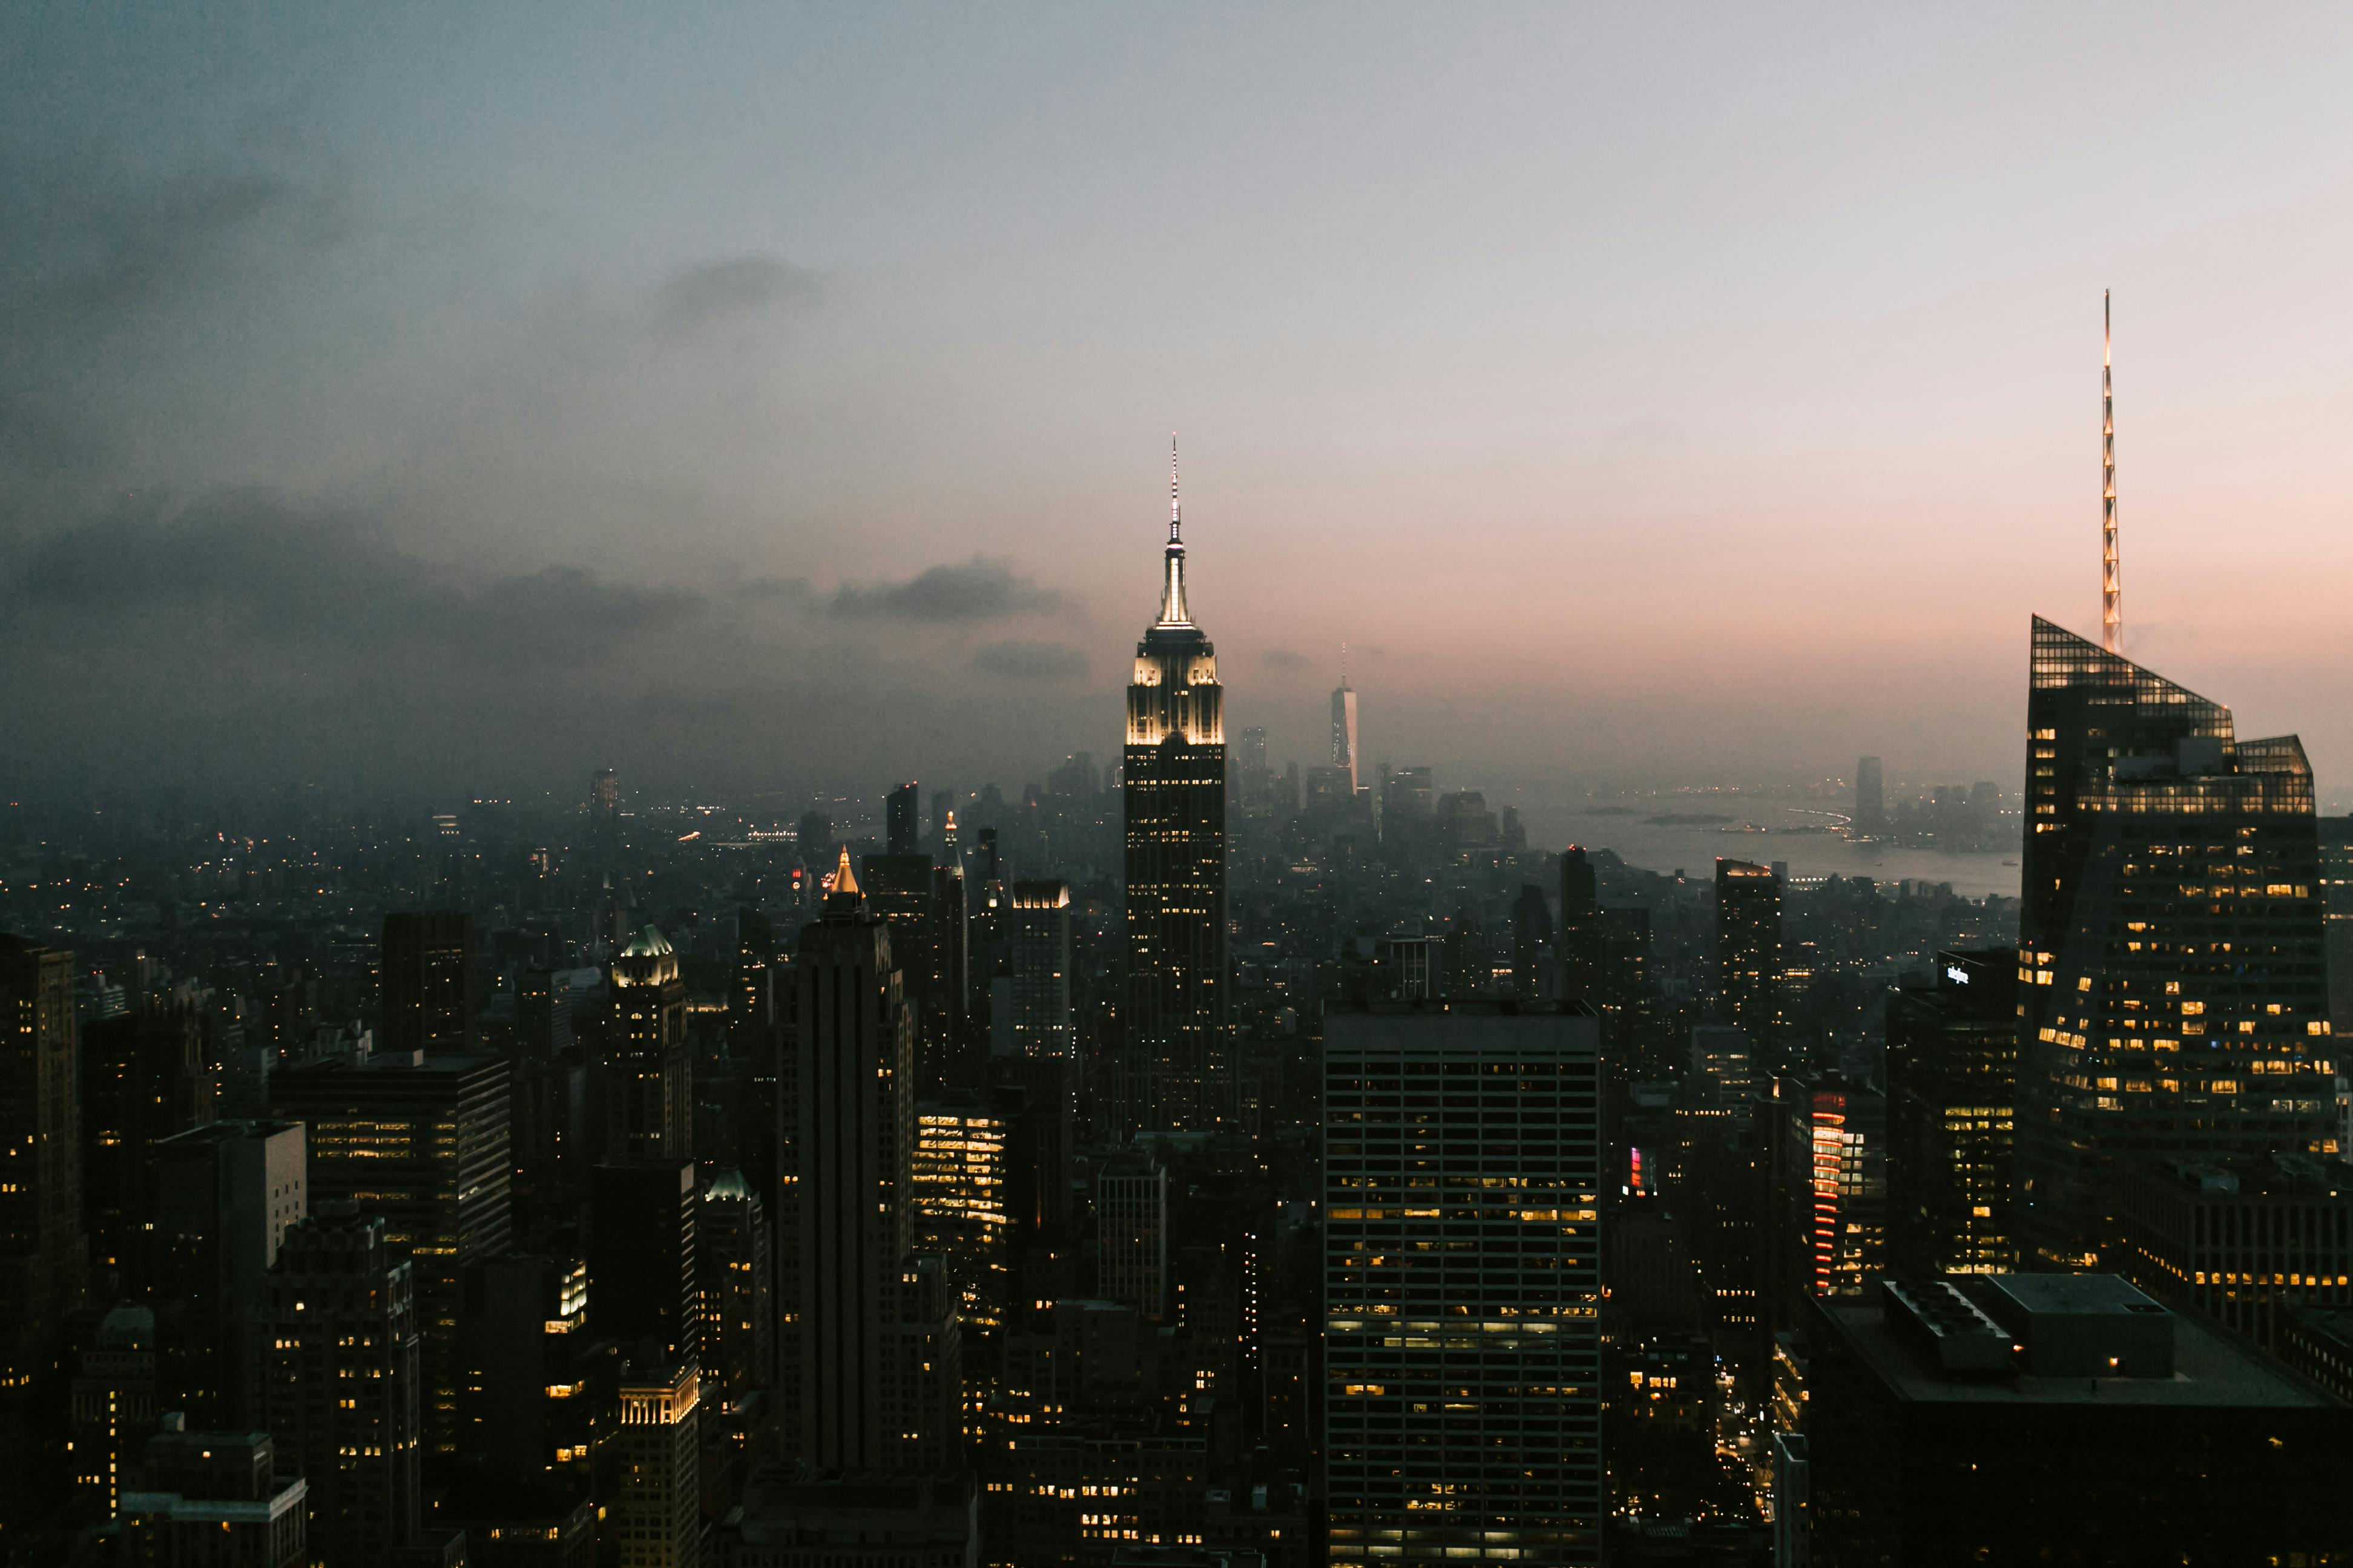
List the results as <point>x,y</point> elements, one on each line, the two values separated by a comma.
<point>2112,597</point>
<point>1172,589</point>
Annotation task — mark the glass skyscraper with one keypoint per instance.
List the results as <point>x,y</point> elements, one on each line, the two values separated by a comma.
<point>1173,788</point>
<point>2172,999</point>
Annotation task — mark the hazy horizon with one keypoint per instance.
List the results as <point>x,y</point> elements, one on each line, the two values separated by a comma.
<point>412,400</point>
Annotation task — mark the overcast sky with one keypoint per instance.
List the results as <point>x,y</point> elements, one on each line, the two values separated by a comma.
<point>756,396</point>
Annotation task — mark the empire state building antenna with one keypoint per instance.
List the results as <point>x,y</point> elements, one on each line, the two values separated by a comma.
<point>2112,609</point>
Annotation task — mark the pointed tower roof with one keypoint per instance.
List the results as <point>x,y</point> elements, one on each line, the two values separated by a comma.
<point>845,881</point>
<point>1172,612</point>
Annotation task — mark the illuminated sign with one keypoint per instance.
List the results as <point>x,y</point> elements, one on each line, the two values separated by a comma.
<point>1957,975</point>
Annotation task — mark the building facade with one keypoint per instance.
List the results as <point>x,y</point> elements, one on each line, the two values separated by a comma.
<point>1952,1092</point>
<point>340,1384</point>
<point>874,1329</point>
<point>1463,1287</point>
<point>423,1142</point>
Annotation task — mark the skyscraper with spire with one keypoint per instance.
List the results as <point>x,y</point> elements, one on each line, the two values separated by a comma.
<point>1174,790</point>
<point>1344,726</point>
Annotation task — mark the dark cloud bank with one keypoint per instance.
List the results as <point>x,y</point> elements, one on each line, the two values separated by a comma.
<point>234,640</point>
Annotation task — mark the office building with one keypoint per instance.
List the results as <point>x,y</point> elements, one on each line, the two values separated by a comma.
<point>422,1142</point>
<point>1038,959</point>
<point>427,982</point>
<point>143,1078</point>
<point>43,1257</point>
<point>960,1174</point>
<point>531,1399</point>
<point>340,1384</point>
<point>2036,1413</point>
<point>605,827</point>
<point>875,1348</point>
<point>544,1013</point>
<point>214,1498</point>
<point>1132,1234</point>
<point>646,1078</point>
<point>1462,1190</point>
<point>1723,1066</point>
<point>2170,942</point>
<point>1749,950</point>
<point>1534,972</point>
<point>739,1326</point>
<point>2249,1243</point>
<point>1870,797</point>
<point>643,1241</point>
<point>1174,790</point>
<point>1344,734</point>
<point>1831,1174</point>
<point>1952,1087</point>
<point>902,820</point>
<point>114,1407</point>
<point>655,1519</point>
<point>1580,943</point>
<point>2336,835</point>
<point>905,892</point>
<point>227,1194</point>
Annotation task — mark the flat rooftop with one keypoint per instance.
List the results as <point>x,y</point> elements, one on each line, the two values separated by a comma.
<point>2210,1371</point>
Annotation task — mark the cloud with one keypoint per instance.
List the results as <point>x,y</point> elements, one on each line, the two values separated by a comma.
<point>707,293</point>
<point>1283,658</point>
<point>984,588</point>
<point>1031,661</point>
<point>246,565</point>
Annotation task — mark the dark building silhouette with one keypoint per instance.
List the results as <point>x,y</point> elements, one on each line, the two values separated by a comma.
<point>428,980</point>
<point>341,1386</point>
<point>643,1236</point>
<point>2336,834</point>
<point>1869,796</point>
<point>1952,1097</point>
<point>43,1256</point>
<point>227,1194</point>
<point>646,1076</point>
<point>1749,951</point>
<point>902,823</point>
<point>2170,945</point>
<point>144,1079</point>
<point>536,1374</point>
<point>544,1014</point>
<point>2060,1418</point>
<point>424,1143</point>
<point>1532,945</point>
<point>605,827</point>
<point>1174,789</point>
<point>1462,1268</point>
<point>875,1352</point>
<point>904,892</point>
<point>1580,940</point>
<point>739,1327</point>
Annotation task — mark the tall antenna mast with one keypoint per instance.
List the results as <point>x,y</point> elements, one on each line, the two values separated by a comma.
<point>1175,512</point>
<point>2112,608</point>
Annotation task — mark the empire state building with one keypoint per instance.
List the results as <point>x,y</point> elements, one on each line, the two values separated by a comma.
<point>1174,793</point>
